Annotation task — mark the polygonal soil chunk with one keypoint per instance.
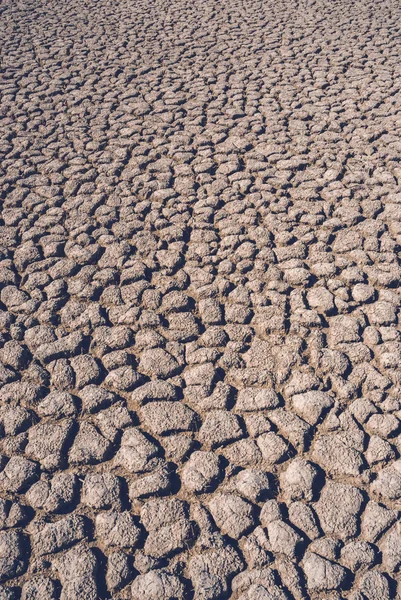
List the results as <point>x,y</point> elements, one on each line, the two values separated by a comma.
<point>340,519</point>
<point>55,495</point>
<point>388,482</point>
<point>343,329</point>
<point>321,299</point>
<point>39,588</point>
<point>101,490</point>
<point>163,417</point>
<point>295,430</point>
<point>111,338</point>
<point>299,481</point>
<point>136,452</point>
<point>94,398</point>
<point>254,484</point>
<point>312,405</point>
<point>390,547</point>
<point>157,483</point>
<point>257,549</point>
<point>378,451</point>
<point>57,536</point>
<point>284,539</point>
<point>256,424</point>
<point>260,355</point>
<point>157,585</point>
<point>359,555</point>
<point>211,572</point>
<point>321,574</point>
<point>210,311</point>
<point>273,447</point>
<point>47,442</point>
<point>57,404</point>
<point>201,375</point>
<point>15,419</point>
<point>111,420</point>
<point>182,327</point>
<point>89,446</point>
<point>220,427</point>
<point>201,472</point>
<point>18,474</point>
<point>327,547</point>
<point>302,516</point>
<point>158,363</point>
<point>374,586</point>
<point>87,370</point>
<point>258,583</point>
<point>62,376</point>
<point>14,355</point>
<point>12,297</point>
<point>65,347</point>
<point>13,554</point>
<point>244,453</point>
<point>77,569</point>
<point>291,576</point>
<point>169,540</point>
<point>38,335</point>
<point>169,528</point>
<point>381,313</point>
<point>177,446</point>
<point>375,520</point>
<point>154,390</point>
<point>382,425</point>
<point>123,379</point>
<point>255,399</point>
<point>337,458</point>
<point>363,293</point>
<point>233,515</point>
<point>11,514</point>
<point>175,302</point>
<point>117,529</point>
<point>119,570</point>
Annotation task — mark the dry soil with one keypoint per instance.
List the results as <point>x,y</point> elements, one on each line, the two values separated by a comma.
<point>200,350</point>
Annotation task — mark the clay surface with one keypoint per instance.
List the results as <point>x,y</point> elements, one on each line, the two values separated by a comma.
<point>200,349</point>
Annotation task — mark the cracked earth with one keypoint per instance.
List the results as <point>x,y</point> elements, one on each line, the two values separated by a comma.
<point>200,350</point>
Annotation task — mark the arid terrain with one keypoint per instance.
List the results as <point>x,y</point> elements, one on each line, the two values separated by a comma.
<point>200,349</point>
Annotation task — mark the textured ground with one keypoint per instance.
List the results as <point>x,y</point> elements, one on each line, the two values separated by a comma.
<point>200,351</point>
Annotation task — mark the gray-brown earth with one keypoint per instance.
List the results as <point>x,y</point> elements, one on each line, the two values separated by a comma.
<point>200,351</point>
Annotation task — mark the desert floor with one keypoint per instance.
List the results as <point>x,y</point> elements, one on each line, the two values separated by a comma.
<point>200,349</point>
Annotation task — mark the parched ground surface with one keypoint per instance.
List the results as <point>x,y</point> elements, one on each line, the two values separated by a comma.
<point>200,350</point>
